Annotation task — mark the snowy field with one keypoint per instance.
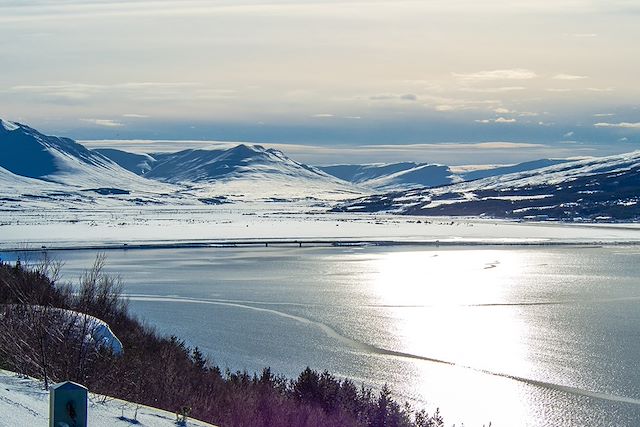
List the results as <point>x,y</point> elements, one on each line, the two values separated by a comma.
<point>246,222</point>
<point>23,402</point>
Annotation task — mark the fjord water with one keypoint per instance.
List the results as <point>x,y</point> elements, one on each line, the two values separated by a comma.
<point>533,336</point>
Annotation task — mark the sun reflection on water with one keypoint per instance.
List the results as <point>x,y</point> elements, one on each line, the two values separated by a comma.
<point>447,305</point>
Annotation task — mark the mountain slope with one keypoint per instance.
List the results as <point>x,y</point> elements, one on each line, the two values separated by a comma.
<point>243,171</point>
<point>29,153</point>
<point>44,171</point>
<point>504,170</point>
<point>607,188</point>
<point>359,174</point>
<point>136,163</point>
<point>381,176</point>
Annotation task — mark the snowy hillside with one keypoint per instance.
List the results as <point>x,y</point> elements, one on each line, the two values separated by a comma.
<point>136,163</point>
<point>503,170</point>
<point>29,153</point>
<point>388,176</point>
<point>243,171</point>
<point>23,402</point>
<point>606,188</point>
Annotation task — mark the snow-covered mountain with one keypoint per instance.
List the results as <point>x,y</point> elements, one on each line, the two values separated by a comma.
<point>387,176</point>
<point>244,170</point>
<point>31,154</point>
<point>46,169</point>
<point>503,170</point>
<point>410,175</point>
<point>42,170</point>
<point>606,188</point>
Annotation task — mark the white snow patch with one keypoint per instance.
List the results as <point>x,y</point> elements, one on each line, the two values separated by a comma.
<point>8,125</point>
<point>23,402</point>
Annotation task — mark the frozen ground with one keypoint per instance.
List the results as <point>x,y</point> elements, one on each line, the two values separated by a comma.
<point>247,222</point>
<point>23,402</point>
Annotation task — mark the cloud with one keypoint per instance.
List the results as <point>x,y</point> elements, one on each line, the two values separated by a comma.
<point>623,125</point>
<point>600,89</point>
<point>498,120</point>
<point>603,115</point>
<point>558,90</point>
<point>502,110</point>
<point>568,134</point>
<point>506,74</point>
<point>583,35</point>
<point>136,116</point>
<point>75,91</point>
<point>323,115</point>
<point>492,89</point>
<point>388,97</point>
<point>409,97</point>
<point>505,120</point>
<point>569,77</point>
<point>103,122</point>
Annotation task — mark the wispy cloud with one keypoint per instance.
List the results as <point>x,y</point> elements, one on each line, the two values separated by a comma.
<point>498,120</point>
<point>323,115</point>
<point>391,97</point>
<point>492,145</point>
<point>491,89</point>
<point>505,74</point>
<point>569,77</point>
<point>136,116</point>
<point>82,91</point>
<point>104,122</point>
<point>623,125</point>
<point>583,35</point>
<point>505,120</point>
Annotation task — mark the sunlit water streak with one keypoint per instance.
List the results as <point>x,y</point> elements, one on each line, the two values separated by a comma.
<point>332,333</point>
<point>532,337</point>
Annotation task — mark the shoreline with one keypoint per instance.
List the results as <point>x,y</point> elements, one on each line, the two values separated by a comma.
<point>309,243</point>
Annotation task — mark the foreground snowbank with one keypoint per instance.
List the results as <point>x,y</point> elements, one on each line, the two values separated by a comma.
<point>24,403</point>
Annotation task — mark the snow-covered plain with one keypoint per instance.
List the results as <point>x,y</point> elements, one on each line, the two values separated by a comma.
<point>23,402</point>
<point>255,222</point>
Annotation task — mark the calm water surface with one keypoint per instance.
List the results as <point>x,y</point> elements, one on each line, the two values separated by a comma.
<point>515,336</point>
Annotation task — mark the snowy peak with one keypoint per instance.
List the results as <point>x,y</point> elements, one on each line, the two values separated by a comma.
<point>202,165</point>
<point>243,171</point>
<point>30,154</point>
<point>8,126</point>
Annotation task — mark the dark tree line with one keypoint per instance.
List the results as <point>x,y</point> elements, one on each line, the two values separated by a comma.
<point>39,338</point>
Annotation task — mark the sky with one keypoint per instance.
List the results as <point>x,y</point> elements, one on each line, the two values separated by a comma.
<point>455,82</point>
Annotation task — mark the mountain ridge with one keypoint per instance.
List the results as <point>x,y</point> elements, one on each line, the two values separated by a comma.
<point>604,188</point>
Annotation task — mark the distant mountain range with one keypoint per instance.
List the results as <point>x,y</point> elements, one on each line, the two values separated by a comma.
<point>606,188</point>
<point>381,176</point>
<point>409,175</point>
<point>41,170</point>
